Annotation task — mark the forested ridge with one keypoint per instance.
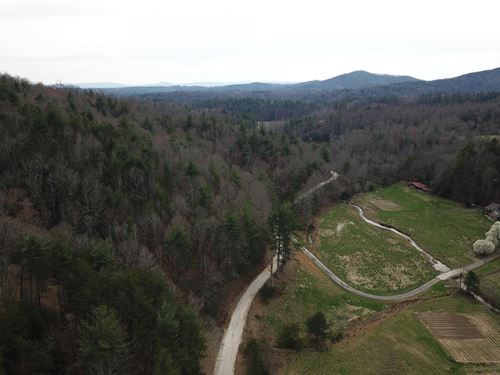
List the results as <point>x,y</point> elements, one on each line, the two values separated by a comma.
<point>117,214</point>
<point>450,142</point>
<point>123,220</point>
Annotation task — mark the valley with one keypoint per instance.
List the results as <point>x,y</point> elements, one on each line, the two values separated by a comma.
<point>369,329</point>
<point>138,225</point>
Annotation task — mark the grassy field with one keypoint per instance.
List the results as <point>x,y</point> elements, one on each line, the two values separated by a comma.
<point>399,344</point>
<point>489,281</point>
<point>444,228</point>
<point>309,291</point>
<point>380,340</point>
<point>369,258</point>
<point>302,290</point>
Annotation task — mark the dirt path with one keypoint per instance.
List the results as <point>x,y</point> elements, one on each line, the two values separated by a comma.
<point>231,341</point>
<point>234,332</point>
<point>402,296</point>
<point>305,194</point>
<point>436,264</point>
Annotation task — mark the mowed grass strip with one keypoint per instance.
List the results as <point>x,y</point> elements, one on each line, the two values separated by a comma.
<point>369,258</point>
<point>442,227</point>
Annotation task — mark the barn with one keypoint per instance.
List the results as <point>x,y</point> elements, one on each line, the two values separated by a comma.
<point>492,211</point>
<point>419,186</point>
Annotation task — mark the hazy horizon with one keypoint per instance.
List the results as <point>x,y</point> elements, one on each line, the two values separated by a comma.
<point>128,42</point>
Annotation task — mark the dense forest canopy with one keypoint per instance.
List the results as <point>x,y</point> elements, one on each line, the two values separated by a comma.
<point>111,203</point>
<point>123,219</point>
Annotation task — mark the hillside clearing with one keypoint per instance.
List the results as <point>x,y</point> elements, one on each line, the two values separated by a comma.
<point>368,258</point>
<point>442,227</point>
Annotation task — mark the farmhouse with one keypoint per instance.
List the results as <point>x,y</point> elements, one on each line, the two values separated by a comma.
<point>493,211</point>
<point>419,186</point>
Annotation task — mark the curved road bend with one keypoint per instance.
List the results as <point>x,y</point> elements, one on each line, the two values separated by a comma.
<point>436,264</point>
<point>228,351</point>
<point>231,341</point>
<point>226,358</point>
<point>402,296</point>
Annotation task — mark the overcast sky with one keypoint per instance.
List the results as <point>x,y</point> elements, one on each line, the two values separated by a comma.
<point>150,41</point>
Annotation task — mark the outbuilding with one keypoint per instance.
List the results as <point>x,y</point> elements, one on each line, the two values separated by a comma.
<point>492,211</point>
<point>419,186</point>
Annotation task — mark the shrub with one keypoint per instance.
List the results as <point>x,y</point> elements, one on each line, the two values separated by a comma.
<point>289,336</point>
<point>495,229</point>
<point>490,236</point>
<point>337,336</point>
<point>267,292</point>
<point>483,247</point>
<point>256,364</point>
<point>471,282</point>
<point>317,326</point>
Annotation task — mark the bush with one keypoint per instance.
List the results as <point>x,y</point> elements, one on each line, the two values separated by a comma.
<point>267,292</point>
<point>317,326</point>
<point>289,337</point>
<point>490,236</point>
<point>337,336</point>
<point>495,229</point>
<point>471,282</point>
<point>483,247</point>
<point>256,364</point>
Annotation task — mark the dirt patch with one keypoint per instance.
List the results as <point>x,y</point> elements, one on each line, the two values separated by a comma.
<point>309,266</point>
<point>385,205</point>
<point>451,326</point>
<point>333,232</point>
<point>468,338</point>
<point>327,233</point>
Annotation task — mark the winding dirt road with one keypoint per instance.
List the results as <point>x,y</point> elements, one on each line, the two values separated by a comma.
<point>446,272</point>
<point>436,264</point>
<point>402,296</point>
<point>231,341</point>
<point>228,351</point>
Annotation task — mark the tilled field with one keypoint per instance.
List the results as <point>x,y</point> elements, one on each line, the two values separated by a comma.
<point>468,338</point>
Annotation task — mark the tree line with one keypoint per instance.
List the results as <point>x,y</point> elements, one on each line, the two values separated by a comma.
<point>117,213</point>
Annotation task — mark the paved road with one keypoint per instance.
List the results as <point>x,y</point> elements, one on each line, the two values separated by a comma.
<point>231,341</point>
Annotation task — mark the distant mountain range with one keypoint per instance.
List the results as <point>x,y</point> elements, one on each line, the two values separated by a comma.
<point>360,82</point>
<point>356,80</point>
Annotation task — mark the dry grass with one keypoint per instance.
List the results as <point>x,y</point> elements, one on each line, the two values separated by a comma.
<point>386,205</point>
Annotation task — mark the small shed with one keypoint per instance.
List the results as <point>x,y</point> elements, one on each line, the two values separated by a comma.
<point>492,211</point>
<point>419,186</point>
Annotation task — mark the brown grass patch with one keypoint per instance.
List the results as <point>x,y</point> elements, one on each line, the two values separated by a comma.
<point>468,338</point>
<point>385,205</point>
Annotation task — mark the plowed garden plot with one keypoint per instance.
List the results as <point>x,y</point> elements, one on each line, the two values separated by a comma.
<point>468,338</point>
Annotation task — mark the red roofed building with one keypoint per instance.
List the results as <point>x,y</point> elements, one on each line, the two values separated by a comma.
<point>420,186</point>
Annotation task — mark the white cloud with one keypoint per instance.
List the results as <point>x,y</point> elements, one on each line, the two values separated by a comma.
<point>222,40</point>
